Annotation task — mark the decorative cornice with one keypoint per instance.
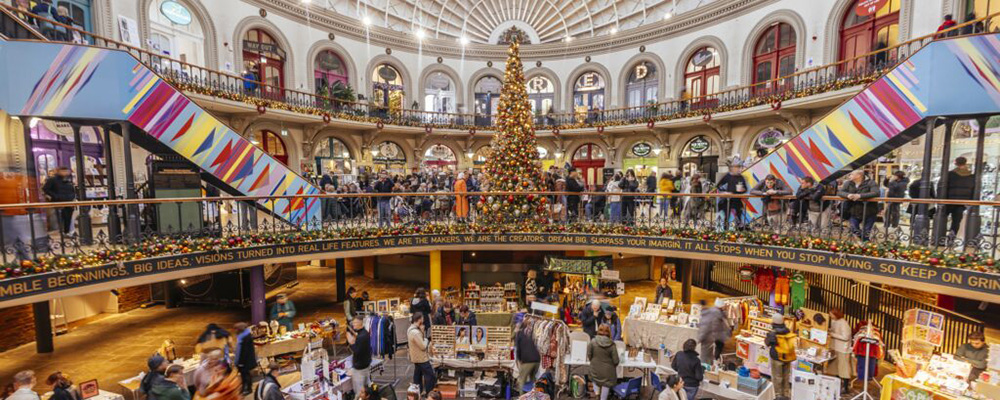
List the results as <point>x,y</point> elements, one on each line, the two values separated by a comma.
<point>714,13</point>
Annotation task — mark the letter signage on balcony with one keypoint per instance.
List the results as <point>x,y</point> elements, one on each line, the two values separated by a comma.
<point>868,7</point>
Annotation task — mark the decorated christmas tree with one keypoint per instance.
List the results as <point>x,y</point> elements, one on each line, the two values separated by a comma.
<point>513,165</point>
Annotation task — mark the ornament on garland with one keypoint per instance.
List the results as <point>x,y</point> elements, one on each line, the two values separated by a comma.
<point>261,109</point>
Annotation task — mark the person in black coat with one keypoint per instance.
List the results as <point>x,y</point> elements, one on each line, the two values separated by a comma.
<point>59,188</point>
<point>961,185</point>
<point>419,303</point>
<point>445,315</point>
<point>466,316</point>
<point>592,317</point>
<point>630,184</point>
<point>573,201</point>
<point>688,365</point>
<point>896,186</point>
<point>527,356</point>
<point>914,192</point>
<point>732,183</point>
<point>62,387</point>
<point>246,357</point>
<point>808,203</point>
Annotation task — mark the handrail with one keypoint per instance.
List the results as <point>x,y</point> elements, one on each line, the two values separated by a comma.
<point>746,96</point>
<point>101,203</point>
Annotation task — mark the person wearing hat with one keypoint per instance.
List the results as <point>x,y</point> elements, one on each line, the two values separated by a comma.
<point>781,366</point>
<point>283,311</point>
<point>157,367</point>
<point>172,386</point>
<point>269,388</point>
<point>732,183</point>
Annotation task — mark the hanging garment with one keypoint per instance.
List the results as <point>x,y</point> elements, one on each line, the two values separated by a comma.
<point>797,291</point>
<point>764,279</point>
<point>781,290</point>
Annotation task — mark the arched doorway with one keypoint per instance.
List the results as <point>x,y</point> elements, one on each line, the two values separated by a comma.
<point>391,157</point>
<point>863,32</point>
<point>701,77</point>
<point>330,73</point>
<point>642,159</point>
<point>590,159</point>
<point>271,143</point>
<point>439,93</point>
<point>332,156</point>
<point>642,87</point>
<point>702,156</point>
<point>387,87</point>
<point>175,33</point>
<point>774,55</point>
<point>264,58</point>
<point>440,158</point>
<point>487,99</point>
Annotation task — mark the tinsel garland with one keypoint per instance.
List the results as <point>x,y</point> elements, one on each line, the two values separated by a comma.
<point>174,246</point>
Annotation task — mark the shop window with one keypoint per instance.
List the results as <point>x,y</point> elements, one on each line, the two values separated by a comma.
<point>589,159</point>
<point>390,157</point>
<point>333,156</point>
<point>387,87</point>
<point>175,32</point>
<point>329,73</point>
<point>264,60</point>
<point>272,144</point>
<point>439,94</point>
<point>487,92</point>
<point>701,75</point>
<point>641,88</point>
<point>588,92</point>
<point>774,54</point>
<point>865,31</point>
<point>440,157</point>
<point>541,95</point>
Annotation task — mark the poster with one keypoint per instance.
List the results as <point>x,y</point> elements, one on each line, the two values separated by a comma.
<point>479,337</point>
<point>128,30</point>
<point>463,340</point>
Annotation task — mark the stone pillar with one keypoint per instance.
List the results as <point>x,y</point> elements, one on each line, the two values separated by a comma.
<point>83,227</point>
<point>435,270</point>
<point>686,272</point>
<point>43,327</point>
<point>341,280</point>
<point>258,293</point>
<point>973,221</point>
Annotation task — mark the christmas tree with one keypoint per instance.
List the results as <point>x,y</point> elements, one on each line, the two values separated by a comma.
<point>512,165</point>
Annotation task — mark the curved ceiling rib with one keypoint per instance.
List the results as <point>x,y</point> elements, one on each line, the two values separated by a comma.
<point>479,20</point>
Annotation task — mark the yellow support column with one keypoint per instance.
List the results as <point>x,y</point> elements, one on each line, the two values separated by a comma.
<point>436,270</point>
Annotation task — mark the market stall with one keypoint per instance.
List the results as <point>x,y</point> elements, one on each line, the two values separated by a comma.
<point>483,353</point>
<point>661,326</point>
<point>272,340</point>
<point>319,378</point>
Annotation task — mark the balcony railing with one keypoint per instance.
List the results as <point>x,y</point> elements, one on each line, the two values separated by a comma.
<point>860,70</point>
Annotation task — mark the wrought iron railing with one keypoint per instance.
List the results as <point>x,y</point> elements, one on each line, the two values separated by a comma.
<point>859,70</point>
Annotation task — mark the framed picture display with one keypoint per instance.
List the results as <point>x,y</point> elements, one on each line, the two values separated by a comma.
<point>89,389</point>
<point>370,307</point>
<point>479,337</point>
<point>463,338</point>
<point>382,306</point>
<point>394,305</point>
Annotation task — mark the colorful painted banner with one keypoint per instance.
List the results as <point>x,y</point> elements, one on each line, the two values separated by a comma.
<point>78,82</point>
<point>952,77</point>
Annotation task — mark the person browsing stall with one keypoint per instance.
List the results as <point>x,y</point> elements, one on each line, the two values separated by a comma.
<point>283,311</point>
<point>975,352</point>
<point>466,316</point>
<point>360,343</point>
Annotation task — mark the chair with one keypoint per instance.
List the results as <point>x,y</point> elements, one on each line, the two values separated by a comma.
<point>657,385</point>
<point>579,335</point>
<point>628,389</point>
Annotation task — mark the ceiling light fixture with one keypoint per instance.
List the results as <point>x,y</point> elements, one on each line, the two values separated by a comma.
<point>306,1</point>
<point>668,15</point>
<point>421,34</point>
<point>569,38</point>
<point>366,20</point>
<point>463,40</point>
<point>614,30</point>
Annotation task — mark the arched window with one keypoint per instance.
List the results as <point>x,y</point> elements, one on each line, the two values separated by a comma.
<point>439,93</point>
<point>701,75</point>
<point>766,141</point>
<point>175,32</point>
<point>588,92</point>
<point>264,58</point>
<point>487,92</point>
<point>329,72</point>
<point>541,94</point>
<point>864,31</point>
<point>390,156</point>
<point>440,157</point>
<point>271,143</point>
<point>333,156</point>
<point>975,9</point>
<point>700,155</point>
<point>387,87</point>
<point>589,159</point>
<point>774,54</point>
<point>643,81</point>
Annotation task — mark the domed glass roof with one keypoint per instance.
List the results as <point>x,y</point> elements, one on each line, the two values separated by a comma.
<point>487,21</point>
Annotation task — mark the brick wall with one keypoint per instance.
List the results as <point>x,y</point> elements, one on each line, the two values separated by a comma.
<point>17,327</point>
<point>131,298</point>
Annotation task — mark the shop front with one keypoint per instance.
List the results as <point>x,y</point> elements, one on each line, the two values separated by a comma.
<point>701,156</point>
<point>390,157</point>
<point>642,158</point>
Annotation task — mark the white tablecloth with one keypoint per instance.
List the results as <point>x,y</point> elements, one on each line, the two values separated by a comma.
<point>650,335</point>
<point>733,394</point>
<point>102,395</point>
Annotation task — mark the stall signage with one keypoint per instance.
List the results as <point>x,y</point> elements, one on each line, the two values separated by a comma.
<point>770,138</point>
<point>868,7</point>
<point>258,47</point>
<point>175,12</point>
<point>611,274</point>
<point>389,152</point>
<point>699,145</point>
<point>642,149</point>
<point>578,265</point>
<point>977,284</point>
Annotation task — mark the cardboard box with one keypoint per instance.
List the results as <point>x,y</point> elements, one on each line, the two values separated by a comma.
<point>728,379</point>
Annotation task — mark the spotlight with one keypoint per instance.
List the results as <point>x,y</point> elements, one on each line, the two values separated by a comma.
<point>366,20</point>
<point>667,16</point>
<point>420,34</point>
<point>184,282</point>
<point>569,39</point>
<point>463,40</point>
<point>657,150</point>
<point>614,31</point>
<point>306,1</point>
<point>473,254</point>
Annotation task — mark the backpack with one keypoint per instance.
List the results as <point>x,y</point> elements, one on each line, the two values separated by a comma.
<point>785,348</point>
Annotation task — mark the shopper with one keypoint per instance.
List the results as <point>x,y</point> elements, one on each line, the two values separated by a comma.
<point>781,342</point>
<point>692,208</point>
<point>573,185</point>
<point>246,358</point>
<point>592,317</point>
<point>688,365</point>
<point>214,338</point>
<point>840,344</point>
<point>975,352</point>
<point>808,204</point>
<point>673,389</point>
<point>526,354</point>
<point>461,200</point>
<point>961,185</point>
<point>948,23</point>
<point>24,383</point>
<point>446,315</point>
<point>59,189</point>
<point>614,199</point>
<point>896,186</point>
<point>774,208</point>
<point>732,183</point>
<point>418,346</point>
<point>360,343</point>
<point>384,185</point>
<point>172,387</point>
<point>420,304</point>
<point>466,316</point>
<point>157,367</point>
<point>283,311</point>
<point>62,387</point>
<point>856,189</point>
<point>663,291</point>
<point>629,185</point>
<point>349,305</point>
<point>205,374</point>
<point>664,186</point>
<point>269,388</point>
<point>602,354</point>
<point>713,332</point>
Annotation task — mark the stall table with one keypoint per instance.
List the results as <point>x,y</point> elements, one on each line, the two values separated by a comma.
<point>282,346</point>
<point>896,387</point>
<point>650,335</point>
<point>733,394</point>
<point>495,319</point>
